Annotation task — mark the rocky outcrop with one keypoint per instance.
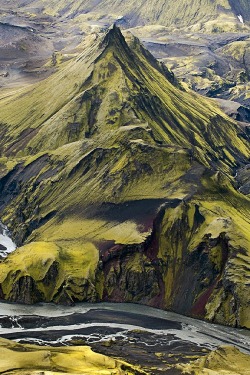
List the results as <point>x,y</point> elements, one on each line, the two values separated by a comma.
<point>25,290</point>
<point>173,271</point>
<point>187,264</point>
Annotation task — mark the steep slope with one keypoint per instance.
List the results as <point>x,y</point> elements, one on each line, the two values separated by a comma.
<point>118,186</point>
<point>134,13</point>
<point>210,54</point>
<point>175,116</point>
<point>240,7</point>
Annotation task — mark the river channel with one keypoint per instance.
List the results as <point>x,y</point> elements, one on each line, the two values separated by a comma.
<point>133,332</point>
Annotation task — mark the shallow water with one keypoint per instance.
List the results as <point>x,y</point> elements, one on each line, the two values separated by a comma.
<point>53,324</point>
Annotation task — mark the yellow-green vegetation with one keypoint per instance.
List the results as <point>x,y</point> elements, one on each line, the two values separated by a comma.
<point>119,186</point>
<point>223,74</point>
<point>200,60</point>
<point>222,23</point>
<point>237,50</point>
<point>61,109</point>
<point>225,360</point>
<point>177,14</point>
<point>54,268</point>
<point>212,230</point>
<point>33,360</point>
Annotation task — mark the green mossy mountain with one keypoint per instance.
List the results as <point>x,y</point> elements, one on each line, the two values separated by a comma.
<point>118,186</point>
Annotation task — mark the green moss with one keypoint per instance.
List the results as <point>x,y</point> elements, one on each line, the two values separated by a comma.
<point>165,13</point>
<point>228,360</point>
<point>70,261</point>
<point>71,360</point>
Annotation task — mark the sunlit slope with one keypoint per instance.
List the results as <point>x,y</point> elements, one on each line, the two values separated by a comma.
<point>224,360</point>
<point>108,86</point>
<point>168,13</point>
<point>23,359</point>
<point>31,359</point>
<point>119,186</point>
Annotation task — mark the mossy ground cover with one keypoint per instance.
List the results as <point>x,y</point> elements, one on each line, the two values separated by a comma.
<point>164,13</point>
<point>33,360</point>
<point>224,360</point>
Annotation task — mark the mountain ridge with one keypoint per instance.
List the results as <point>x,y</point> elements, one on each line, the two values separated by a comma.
<point>136,13</point>
<point>68,78</point>
<point>123,194</point>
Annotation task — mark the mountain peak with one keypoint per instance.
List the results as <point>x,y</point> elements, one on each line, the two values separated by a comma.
<point>113,36</point>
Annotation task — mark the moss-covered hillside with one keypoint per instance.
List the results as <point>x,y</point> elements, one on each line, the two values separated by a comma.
<point>35,360</point>
<point>119,186</point>
<point>224,360</point>
<point>23,359</point>
<point>167,13</point>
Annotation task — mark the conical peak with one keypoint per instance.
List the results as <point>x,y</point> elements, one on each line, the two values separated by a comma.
<point>114,31</point>
<point>114,36</point>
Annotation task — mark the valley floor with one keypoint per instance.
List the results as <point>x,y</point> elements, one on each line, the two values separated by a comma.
<point>152,340</point>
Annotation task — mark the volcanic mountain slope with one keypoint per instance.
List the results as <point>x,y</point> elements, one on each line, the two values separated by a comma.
<point>118,186</point>
<point>212,63</point>
<point>211,54</point>
<point>167,13</point>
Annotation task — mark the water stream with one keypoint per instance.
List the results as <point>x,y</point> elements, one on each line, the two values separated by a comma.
<point>7,246</point>
<point>53,324</point>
